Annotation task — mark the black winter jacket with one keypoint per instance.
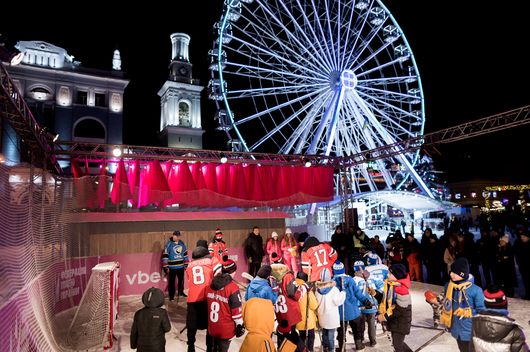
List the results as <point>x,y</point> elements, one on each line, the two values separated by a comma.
<point>401,318</point>
<point>493,330</point>
<point>254,247</point>
<point>150,323</point>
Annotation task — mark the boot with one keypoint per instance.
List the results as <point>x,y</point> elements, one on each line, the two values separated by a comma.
<point>359,345</point>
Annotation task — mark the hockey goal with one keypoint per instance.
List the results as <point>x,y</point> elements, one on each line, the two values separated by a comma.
<point>94,318</point>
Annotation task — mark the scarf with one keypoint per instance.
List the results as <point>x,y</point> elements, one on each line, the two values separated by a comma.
<point>387,302</point>
<point>463,310</point>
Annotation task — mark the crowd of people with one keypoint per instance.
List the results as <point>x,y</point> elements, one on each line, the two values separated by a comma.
<point>301,287</point>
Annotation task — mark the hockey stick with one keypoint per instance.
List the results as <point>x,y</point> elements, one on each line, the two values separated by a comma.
<point>431,340</point>
<point>343,317</point>
<point>247,276</point>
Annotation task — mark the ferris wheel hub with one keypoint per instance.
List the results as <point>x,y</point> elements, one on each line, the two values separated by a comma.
<point>348,79</point>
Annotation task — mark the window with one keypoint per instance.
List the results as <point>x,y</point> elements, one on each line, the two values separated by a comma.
<point>100,99</point>
<point>89,128</point>
<point>184,114</point>
<point>82,97</point>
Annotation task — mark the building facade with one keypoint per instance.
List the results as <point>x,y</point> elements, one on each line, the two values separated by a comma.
<point>77,103</point>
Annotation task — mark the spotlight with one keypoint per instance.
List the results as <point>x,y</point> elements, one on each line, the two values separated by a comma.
<point>224,159</point>
<point>13,56</point>
<point>55,138</point>
<point>116,152</point>
<point>307,163</point>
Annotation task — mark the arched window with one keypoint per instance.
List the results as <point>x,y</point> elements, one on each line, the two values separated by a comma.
<point>184,114</point>
<point>40,93</point>
<point>89,129</point>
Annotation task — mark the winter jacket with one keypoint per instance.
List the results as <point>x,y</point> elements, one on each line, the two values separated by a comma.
<point>175,255</point>
<point>150,323</point>
<point>354,297</point>
<point>286,307</point>
<point>289,249</point>
<point>273,247</point>
<point>493,330</point>
<point>329,299</point>
<point>378,275</point>
<point>461,328</point>
<point>254,247</point>
<point>224,307</point>
<point>363,285</point>
<point>260,288</point>
<point>258,316</point>
<point>313,305</point>
<point>217,249</point>
<point>401,318</point>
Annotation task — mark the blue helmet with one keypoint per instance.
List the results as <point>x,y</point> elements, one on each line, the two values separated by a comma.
<point>372,259</point>
<point>358,265</point>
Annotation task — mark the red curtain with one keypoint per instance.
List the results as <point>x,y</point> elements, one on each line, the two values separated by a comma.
<point>223,185</point>
<point>120,187</point>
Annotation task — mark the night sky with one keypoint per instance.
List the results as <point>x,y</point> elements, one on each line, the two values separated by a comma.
<point>469,53</point>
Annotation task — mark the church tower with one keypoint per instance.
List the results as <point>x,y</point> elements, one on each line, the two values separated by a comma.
<point>180,100</point>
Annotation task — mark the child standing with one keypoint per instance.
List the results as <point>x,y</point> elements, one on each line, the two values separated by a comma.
<point>329,299</point>
<point>395,308</point>
<point>307,326</point>
<point>150,323</point>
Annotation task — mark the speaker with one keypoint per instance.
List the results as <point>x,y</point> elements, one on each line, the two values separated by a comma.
<point>351,218</point>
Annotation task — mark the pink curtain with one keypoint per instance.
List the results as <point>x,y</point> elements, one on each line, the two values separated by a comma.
<point>121,191</point>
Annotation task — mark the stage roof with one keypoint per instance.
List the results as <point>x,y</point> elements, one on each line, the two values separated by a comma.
<point>404,200</point>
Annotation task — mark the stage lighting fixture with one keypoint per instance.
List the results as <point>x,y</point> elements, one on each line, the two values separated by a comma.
<point>116,152</point>
<point>224,159</point>
<point>307,163</point>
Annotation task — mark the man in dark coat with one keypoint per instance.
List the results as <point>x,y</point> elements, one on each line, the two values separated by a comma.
<point>254,251</point>
<point>150,323</point>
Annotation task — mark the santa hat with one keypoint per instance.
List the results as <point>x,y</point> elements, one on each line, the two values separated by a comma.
<point>494,298</point>
<point>218,233</point>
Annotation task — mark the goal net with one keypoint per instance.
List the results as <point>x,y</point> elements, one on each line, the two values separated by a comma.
<point>94,318</point>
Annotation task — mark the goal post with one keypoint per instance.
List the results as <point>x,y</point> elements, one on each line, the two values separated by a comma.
<point>93,322</point>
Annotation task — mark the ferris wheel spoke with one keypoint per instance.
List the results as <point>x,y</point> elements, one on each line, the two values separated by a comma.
<point>386,80</point>
<point>405,131</point>
<point>405,112</point>
<point>389,63</point>
<point>284,123</point>
<point>386,92</point>
<point>321,29</point>
<point>357,37</point>
<point>243,93</point>
<point>302,46</point>
<point>287,103</point>
<point>326,63</point>
<point>282,59</point>
<point>265,29</point>
<point>301,131</point>
<point>270,71</point>
<point>328,115</point>
<point>346,40</point>
<point>371,56</point>
<point>365,43</point>
<point>327,10</point>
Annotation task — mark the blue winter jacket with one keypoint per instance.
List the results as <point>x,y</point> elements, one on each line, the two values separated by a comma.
<point>361,283</point>
<point>260,288</point>
<point>461,328</point>
<point>354,297</point>
<point>175,255</point>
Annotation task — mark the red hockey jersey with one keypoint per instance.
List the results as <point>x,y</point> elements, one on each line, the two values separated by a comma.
<point>200,274</point>
<point>224,307</point>
<point>316,258</point>
<point>218,249</point>
<point>287,308</point>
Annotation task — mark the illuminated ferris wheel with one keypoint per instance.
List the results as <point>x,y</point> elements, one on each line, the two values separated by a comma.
<point>326,77</point>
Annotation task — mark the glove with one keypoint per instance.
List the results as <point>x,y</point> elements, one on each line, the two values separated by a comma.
<point>367,304</point>
<point>249,260</point>
<point>240,330</point>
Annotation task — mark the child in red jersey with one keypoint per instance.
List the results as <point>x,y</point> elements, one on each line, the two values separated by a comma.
<point>200,275</point>
<point>317,256</point>
<point>224,307</point>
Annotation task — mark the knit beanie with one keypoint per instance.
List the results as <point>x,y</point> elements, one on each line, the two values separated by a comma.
<point>461,268</point>
<point>264,272</point>
<point>229,266</point>
<point>398,270</point>
<point>338,268</point>
<point>494,298</point>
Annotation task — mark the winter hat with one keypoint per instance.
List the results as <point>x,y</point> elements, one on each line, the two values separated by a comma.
<point>372,258</point>
<point>461,268</point>
<point>176,233</point>
<point>398,270</point>
<point>325,275</point>
<point>229,266</point>
<point>199,252</point>
<point>338,268</point>
<point>494,298</point>
<point>202,243</point>
<point>274,234</point>
<point>218,233</point>
<point>288,230</point>
<point>264,272</point>
<point>358,265</point>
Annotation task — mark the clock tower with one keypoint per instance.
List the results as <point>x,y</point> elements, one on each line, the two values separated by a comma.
<point>180,100</point>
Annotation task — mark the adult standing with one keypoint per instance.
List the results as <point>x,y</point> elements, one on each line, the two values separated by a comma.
<point>217,247</point>
<point>289,248</point>
<point>254,251</point>
<point>342,243</point>
<point>522,248</point>
<point>174,261</point>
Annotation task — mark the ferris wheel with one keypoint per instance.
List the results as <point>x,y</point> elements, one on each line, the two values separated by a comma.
<point>319,77</point>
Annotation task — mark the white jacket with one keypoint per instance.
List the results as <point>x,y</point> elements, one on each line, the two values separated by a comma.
<point>328,305</point>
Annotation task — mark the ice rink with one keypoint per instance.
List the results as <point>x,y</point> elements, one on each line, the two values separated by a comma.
<point>422,336</point>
